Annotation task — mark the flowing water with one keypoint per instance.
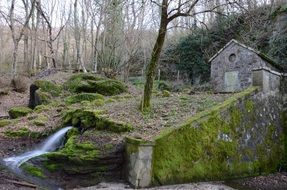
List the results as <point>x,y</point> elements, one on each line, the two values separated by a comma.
<point>52,143</point>
<point>49,145</point>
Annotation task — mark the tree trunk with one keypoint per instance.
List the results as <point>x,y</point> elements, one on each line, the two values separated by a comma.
<point>151,68</point>
<point>78,38</point>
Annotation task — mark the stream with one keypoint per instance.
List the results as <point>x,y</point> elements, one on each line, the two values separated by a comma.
<point>51,144</point>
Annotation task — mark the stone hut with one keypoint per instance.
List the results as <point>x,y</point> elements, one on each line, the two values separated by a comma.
<point>233,67</point>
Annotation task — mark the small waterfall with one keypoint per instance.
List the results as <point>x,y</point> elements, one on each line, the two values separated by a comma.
<point>49,145</point>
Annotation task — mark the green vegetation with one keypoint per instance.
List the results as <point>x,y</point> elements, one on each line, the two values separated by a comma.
<point>165,93</point>
<point>94,119</point>
<point>4,122</point>
<point>210,142</point>
<point>83,97</point>
<point>49,87</point>
<point>19,111</point>
<point>45,97</point>
<point>191,53</point>
<point>33,170</point>
<point>41,108</point>
<point>18,133</point>
<point>40,120</point>
<point>92,84</point>
<point>75,152</point>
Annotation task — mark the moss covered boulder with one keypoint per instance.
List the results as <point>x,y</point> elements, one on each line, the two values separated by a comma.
<point>19,111</point>
<point>46,92</point>
<point>33,170</point>
<point>43,92</point>
<point>78,98</point>
<point>92,84</point>
<point>92,156</point>
<point>49,87</point>
<point>76,152</point>
<point>94,119</point>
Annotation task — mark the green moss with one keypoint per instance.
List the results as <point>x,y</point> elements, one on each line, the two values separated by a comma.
<point>83,97</point>
<point>40,120</point>
<point>4,122</point>
<point>109,87</point>
<point>52,167</point>
<point>95,119</point>
<point>18,133</point>
<point>19,111</point>
<point>207,146</point>
<point>79,80</point>
<point>98,102</point>
<point>33,170</point>
<point>25,132</point>
<point>132,144</point>
<point>249,105</point>
<point>132,148</point>
<point>110,100</point>
<point>165,93</point>
<point>45,97</point>
<point>76,152</point>
<point>49,87</point>
<point>41,108</point>
<point>92,84</point>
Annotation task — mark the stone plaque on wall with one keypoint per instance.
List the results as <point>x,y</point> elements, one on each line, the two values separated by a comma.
<point>231,81</point>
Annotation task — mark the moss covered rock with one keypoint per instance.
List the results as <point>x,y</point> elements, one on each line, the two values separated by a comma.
<point>108,87</point>
<point>4,122</point>
<point>49,87</point>
<point>83,97</point>
<point>19,111</point>
<point>76,152</point>
<point>91,155</point>
<point>33,170</point>
<point>94,119</point>
<point>44,92</point>
<point>90,83</point>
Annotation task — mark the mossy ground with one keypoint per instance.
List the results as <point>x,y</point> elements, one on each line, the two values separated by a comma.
<point>78,98</point>
<point>49,87</point>
<point>19,111</point>
<point>4,122</point>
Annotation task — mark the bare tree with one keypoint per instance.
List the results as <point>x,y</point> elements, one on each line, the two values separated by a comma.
<point>16,33</point>
<point>170,10</point>
<point>51,37</point>
<point>77,34</point>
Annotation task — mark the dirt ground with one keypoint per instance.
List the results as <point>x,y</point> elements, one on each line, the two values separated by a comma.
<point>10,98</point>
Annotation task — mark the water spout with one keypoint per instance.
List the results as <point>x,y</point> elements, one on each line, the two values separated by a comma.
<point>49,145</point>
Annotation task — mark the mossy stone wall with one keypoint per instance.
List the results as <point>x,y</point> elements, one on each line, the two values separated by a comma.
<point>238,138</point>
